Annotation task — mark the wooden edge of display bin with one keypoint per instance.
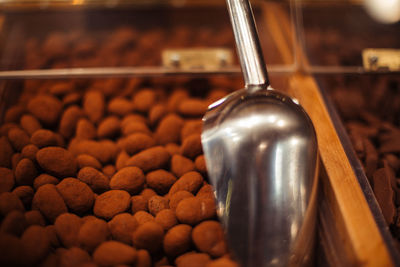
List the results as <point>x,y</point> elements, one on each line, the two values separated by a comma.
<point>348,232</point>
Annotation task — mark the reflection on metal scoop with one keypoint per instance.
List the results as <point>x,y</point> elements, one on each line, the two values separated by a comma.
<point>262,158</point>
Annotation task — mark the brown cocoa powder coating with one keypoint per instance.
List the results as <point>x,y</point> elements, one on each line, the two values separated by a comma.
<point>135,127</point>
<point>25,172</point>
<point>97,181</point>
<point>16,157</point>
<point>30,124</point>
<point>42,138</point>
<point>206,191</point>
<point>143,217</point>
<point>14,223</point>
<point>109,127</point>
<point>44,179</point>
<point>110,148</point>
<point>181,165</point>
<point>133,117</point>
<point>192,259</point>
<point>200,164</point>
<point>62,88</point>
<point>193,107</point>
<point>144,100</point>
<point>69,119</point>
<point>67,227</point>
<point>77,195</point>
<point>193,210</point>
<point>191,146</point>
<point>177,240</point>
<point>175,99</point>
<point>85,129</point>
<point>18,138</point>
<point>9,202</point>
<point>143,258</point>
<point>57,161</point>
<point>110,203</point>
<point>172,149</point>
<point>208,237</point>
<point>94,105</point>
<point>166,218</point>
<point>157,112</point>
<point>191,127</point>
<point>136,142</point>
<point>34,217</point>
<point>92,233</point>
<point>51,233</point>
<point>49,202</point>
<point>148,236</point>
<point>29,151</point>
<point>109,170</point>
<point>73,257</point>
<point>150,159</point>
<point>130,179</point>
<point>93,148</point>
<point>138,203</point>
<point>122,227</point>
<point>163,261</point>
<point>71,99</point>
<point>160,180</point>
<point>191,181</point>
<point>7,180</point>
<point>14,113</point>
<point>147,193</point>
<point>120,106</point>
<point>174,199</point>
<point>222,262</point>
<point>45,108</point>
<point>169,129</point>
<point>25,194</point>
<point>114,165</point>
<point>6,127</point>
<point>113,253</point>
<point>157,204</point>
<point>36,244</point>
<point>84,160</point>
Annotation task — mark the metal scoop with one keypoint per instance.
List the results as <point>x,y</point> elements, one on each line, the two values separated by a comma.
<point>262,158</point>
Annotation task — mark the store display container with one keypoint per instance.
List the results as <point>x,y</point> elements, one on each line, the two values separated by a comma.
<point>165,42</point>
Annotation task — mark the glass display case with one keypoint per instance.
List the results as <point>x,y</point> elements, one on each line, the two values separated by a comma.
<point>352,48</point>
<point>97,72</point>
<point>349,36</point>
<point>104,34</point>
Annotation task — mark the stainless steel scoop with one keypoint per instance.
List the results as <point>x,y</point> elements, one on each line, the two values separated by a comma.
<point>262,158</point>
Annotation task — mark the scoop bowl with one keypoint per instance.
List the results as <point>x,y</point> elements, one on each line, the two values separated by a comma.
<point>262,159</point>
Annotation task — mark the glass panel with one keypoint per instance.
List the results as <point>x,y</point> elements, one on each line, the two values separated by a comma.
<point>125,35</point>
<point>335,33</point>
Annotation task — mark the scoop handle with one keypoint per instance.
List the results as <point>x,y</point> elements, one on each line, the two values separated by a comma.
<point>247,44</point>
